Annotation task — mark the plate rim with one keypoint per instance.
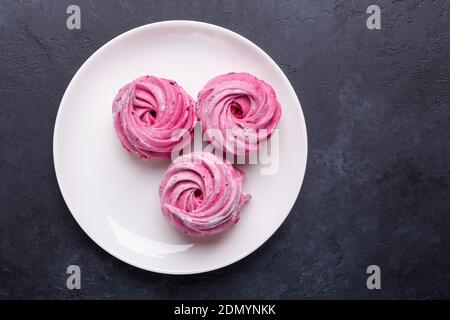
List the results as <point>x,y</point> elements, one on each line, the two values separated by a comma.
<point>154,25</point>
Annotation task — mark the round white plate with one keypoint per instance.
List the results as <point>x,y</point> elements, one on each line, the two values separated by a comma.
<point>114,196</point>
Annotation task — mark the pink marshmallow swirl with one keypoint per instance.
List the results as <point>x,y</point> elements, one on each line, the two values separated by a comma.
<point>201,194</point>
<point>151,115</point>
<point>238,112</point>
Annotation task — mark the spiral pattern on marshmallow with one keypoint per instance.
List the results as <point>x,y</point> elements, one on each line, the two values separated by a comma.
<point>201,194</point>
<point>238,112</point>
<point>152,116</point>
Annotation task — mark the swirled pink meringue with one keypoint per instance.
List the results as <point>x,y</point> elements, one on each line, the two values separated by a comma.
<point>201,194</point>
<point>238,112</point>
<point>151,115</point>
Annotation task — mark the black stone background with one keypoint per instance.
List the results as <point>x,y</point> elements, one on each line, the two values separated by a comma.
<point>377,184</point>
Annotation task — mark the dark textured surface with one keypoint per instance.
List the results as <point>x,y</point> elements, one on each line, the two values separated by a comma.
<point>377,185</point>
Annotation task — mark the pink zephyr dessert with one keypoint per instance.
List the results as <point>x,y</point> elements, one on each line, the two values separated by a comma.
<point>238,112</point>
<point>151,115</point>
<point>201,194</point>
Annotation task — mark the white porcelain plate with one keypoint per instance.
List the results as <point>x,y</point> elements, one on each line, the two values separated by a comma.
<point>114,196</point>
